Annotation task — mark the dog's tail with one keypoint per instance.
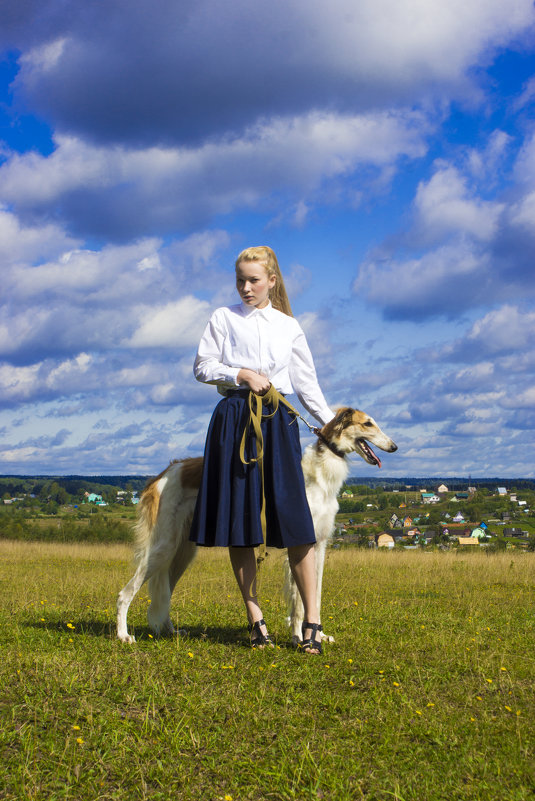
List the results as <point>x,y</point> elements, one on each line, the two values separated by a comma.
<point>147,513</point>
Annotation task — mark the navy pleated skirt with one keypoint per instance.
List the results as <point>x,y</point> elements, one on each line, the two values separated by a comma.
<point>229,501</point>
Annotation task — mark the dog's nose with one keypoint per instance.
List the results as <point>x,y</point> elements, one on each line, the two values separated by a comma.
<point>393,447</point>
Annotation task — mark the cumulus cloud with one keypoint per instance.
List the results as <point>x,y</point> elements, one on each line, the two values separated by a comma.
<point>461,250</point>
<point>503,331</point>
<point>179,322</point>
<point>118,72</point>
<point>445,205</point>
<point>166,120</point>
<point>116,297</point>
<point>446,281</point>
<point>120,192</point>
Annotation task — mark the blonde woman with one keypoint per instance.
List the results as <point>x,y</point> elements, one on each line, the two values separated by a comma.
<point>245,348</point>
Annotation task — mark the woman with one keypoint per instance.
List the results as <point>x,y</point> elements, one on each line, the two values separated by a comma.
<point>245,348</point>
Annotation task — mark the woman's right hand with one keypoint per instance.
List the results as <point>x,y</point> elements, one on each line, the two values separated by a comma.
<point>255,381</point>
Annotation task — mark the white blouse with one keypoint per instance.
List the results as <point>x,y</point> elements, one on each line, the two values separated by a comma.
<point>266,341</point>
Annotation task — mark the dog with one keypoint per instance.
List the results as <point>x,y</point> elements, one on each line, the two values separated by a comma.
<point>163,550</point>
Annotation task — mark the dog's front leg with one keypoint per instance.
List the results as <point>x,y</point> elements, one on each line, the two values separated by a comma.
<point>320,563</point>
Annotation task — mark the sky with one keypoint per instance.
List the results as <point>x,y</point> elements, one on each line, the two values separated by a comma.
<point>384,149</point>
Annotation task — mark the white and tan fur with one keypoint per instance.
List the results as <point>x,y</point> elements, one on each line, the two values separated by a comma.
<point>163,550</point>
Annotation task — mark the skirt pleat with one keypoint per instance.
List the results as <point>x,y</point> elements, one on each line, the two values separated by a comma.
<point>228,505</point>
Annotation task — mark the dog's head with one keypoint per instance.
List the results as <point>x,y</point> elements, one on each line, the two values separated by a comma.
<point>350,431</point>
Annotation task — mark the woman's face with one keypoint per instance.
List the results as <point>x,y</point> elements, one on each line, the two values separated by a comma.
<point>253,283</point>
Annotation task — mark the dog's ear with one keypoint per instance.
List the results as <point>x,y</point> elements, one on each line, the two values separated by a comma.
<point>335,427</point>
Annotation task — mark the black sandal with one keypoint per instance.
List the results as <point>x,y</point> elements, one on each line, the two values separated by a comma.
<point>311,641</point>
<point>258,638</point>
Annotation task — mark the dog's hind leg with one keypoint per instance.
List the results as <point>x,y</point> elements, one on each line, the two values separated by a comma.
<point>125,599</point>
<point>320,561</point>
<point>294,603</point>
<point>163,582</point>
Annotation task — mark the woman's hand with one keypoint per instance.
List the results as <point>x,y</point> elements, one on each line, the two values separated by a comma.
<point>258,382</point>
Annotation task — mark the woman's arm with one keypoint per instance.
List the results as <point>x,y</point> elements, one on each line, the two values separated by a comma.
<point>258,382</point>
<point>305,382</point>
<point>210,368</point>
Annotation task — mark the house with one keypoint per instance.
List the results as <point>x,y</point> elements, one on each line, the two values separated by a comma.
<point>429,497</point>
<point>407,522</point>
<point>384,540</point>
<point>442,489</point>
<point>92,497</point>
<point>346,494</point>
<point>468,541</point>
<point>461,496</point>
<point>479,532</point>
<point>501,491</point>
<point>513,532</point>
<point>459,518</point>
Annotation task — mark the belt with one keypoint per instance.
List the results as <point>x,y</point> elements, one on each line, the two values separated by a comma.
<point>244,393</point>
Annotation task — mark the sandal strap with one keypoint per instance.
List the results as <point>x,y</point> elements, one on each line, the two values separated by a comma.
<point>311,641</point>
<point>259,637</point>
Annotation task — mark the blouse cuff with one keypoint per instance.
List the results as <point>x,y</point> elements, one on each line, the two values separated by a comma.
<point>231,376</point>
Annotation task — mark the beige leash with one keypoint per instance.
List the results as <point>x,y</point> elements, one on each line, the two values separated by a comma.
<point>256,415</point>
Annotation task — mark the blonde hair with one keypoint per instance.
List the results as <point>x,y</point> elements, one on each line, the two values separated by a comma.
<point>277,294</point>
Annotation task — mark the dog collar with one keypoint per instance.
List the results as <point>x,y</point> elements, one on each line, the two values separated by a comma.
<point>332,447</point>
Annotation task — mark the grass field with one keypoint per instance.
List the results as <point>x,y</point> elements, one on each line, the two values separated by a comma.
<point>428,692</point>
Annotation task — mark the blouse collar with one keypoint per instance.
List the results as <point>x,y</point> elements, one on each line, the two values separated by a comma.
<point>266,312</point>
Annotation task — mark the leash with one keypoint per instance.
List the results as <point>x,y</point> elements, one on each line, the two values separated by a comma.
<point>256,414</point>
<point>256,403</point>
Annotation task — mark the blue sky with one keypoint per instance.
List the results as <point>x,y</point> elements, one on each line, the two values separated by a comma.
<point>385,150</point>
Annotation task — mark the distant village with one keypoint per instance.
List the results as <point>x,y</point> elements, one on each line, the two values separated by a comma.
<point>454,527</point>
<point>380,516</point>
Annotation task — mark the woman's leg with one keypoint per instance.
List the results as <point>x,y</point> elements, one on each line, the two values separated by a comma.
<point>243,562</point>
<point>302,560</point>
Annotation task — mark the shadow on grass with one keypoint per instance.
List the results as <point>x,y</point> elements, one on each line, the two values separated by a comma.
<point>226,635</point>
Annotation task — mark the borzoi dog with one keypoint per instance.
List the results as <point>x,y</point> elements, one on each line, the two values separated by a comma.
<point>163,550</point>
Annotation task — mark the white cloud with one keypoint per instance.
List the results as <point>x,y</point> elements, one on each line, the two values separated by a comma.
<point>178,324</point>
<point>504,329</point>
<point>25,243</point>
<point>523,212</point>
<point>158,188</point>
<point>444,281</point>
<point>444,204</point>
<point>89,77</point>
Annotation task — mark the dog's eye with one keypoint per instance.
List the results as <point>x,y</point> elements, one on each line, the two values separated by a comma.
<point>368,423</point>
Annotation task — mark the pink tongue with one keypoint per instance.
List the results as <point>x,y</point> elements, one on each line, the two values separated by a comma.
<point>371,453</point>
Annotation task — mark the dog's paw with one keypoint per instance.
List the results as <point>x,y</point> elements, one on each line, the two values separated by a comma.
<point>126,638</point>
<point>326,637</point>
